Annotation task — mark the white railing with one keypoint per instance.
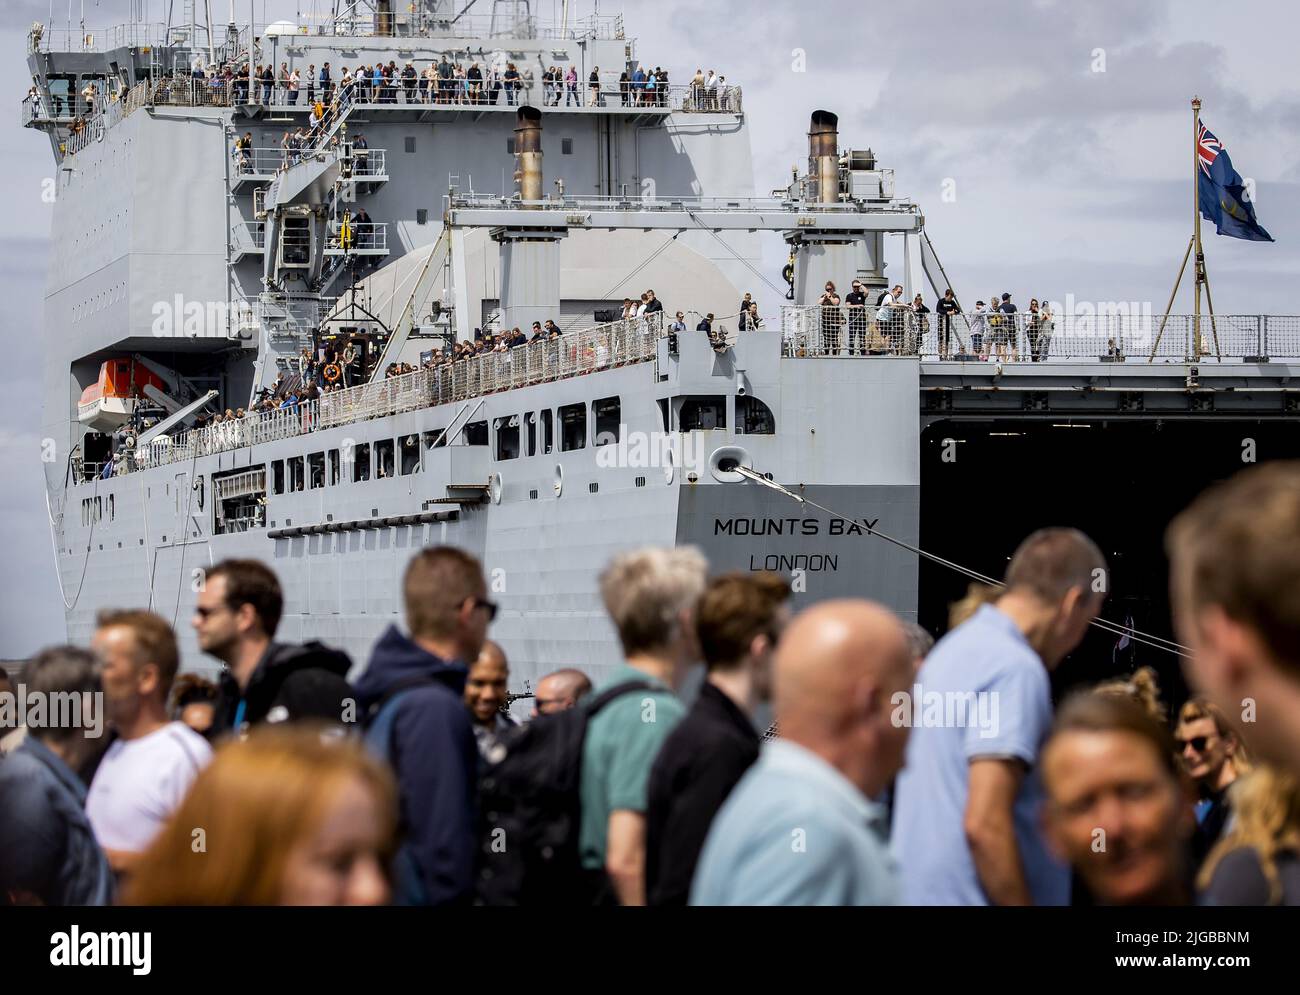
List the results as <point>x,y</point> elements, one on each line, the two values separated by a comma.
<point>816,331</point>
<point>572,354</point>
<point>491,91</point>
<point>70,39</point>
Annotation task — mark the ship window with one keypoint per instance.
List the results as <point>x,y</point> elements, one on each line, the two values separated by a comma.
<point>607,414</point>
<point>507,433</point>
<point>704,412</point>
<point>573,427</point>
<point>510,146</point>
<point>421,215</point>
<point>530,436</point>
<point>277,477</point>
<point>410,144</point>
<point>99,508</point>
<point>334,467</point>
<point>316,470</point>
<point>566,146</point>
<point>297,479</point>
<point>476,433</point>
<point>383,459</point>
<point>361,462</point>
<point>112,513</point>
<point>753,417</point>
<point>548,436</point>
<point>410,450</point>
<point>435,439</point>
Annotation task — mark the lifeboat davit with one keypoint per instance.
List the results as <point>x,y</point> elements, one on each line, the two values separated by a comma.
<point>110,402</point>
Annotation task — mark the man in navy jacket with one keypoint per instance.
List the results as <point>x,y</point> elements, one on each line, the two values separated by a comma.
<point>413,689</point>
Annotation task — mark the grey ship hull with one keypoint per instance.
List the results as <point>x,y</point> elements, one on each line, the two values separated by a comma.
<point>542,551</point>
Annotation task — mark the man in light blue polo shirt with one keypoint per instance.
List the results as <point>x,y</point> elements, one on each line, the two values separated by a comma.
<point>966,819</point>
<point>800,828</point>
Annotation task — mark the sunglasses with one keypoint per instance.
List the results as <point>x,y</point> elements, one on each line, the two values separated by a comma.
<point>203,612</point>
<point>1197,743</point>
<point>489,606</point>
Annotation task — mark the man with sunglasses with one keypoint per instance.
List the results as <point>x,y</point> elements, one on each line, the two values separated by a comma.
<point>1214,757</point>
<point>235,618</point>
<point>413,696</point>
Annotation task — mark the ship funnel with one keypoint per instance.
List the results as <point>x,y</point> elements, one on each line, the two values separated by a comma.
<point>823,156</point>
<point>528,153</point>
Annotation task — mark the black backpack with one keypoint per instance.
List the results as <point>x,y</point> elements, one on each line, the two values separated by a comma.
<point>531,811</point>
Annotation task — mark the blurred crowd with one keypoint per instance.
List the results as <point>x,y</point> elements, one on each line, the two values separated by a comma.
<point>894,771</point>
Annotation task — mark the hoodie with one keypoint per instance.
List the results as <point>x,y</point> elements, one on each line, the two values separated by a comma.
<point>434,757</point>
<point>290,682</point>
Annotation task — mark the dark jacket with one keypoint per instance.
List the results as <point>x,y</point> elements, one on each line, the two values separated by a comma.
<point>698,765</point>
<point>435,759</point>
<point>49,850</point>
<point>290,682</point>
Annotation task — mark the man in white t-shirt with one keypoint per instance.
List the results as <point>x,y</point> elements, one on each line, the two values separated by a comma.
<point>145,774</point>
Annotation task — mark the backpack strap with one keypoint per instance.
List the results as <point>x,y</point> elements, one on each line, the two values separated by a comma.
<point>609,694</point>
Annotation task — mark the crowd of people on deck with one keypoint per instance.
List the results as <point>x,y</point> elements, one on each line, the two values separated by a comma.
<point>997,331</point>
<point>894,769</point>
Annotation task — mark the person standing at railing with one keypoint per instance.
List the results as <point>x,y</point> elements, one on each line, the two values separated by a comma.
<point>1031,329</point>
<point>409,77</point>
<point>428,78</point>
<point>832,320</point>
<point>711,91</point>
<point>920,325</point>
<point>593,84</point>
<point>1046,326</point>
<point>979,331</point>
<point>855,302</point>
<point>326,83</point>
<point>267,76</point>
<point>946,308</point>
<point>294,83</point>
<point>511,81</point>
<point>889,317</point>
<point>1009,331</point>
<point>474,79</point>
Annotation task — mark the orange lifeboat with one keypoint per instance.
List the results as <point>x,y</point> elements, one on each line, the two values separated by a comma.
<point>111,401</point>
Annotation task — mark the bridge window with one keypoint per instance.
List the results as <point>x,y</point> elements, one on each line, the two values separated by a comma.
<point>435,439</point>
<point>703,412</point>
<point>383,459</point>
<point>410,454</point>
<point>566,146</point>
<point>421,215</point>
<point>315,470</point>
<point>476,433</point>
<point>607,414</point>
<point>277,477</point>
<point>361,462</point>
<point>507,432</point>
<point>548,433</point>
<point>297,478</point>
<point>573,427</point>
<point>530,445</point>
<point>753,417</point>
<point>334,467</point>
<point>409,144</point>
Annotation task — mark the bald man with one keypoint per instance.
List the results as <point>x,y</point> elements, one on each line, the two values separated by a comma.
<point>560,691</point>
<point>800,828</point>
<point>486,695</point>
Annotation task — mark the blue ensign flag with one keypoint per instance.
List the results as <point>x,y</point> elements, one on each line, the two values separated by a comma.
<point>1222,192</point>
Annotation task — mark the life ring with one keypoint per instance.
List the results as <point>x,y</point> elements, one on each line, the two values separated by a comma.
<point>787,273</point>
<point>332,372</point>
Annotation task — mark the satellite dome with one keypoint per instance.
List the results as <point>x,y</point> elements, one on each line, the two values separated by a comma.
<point>281,28</point>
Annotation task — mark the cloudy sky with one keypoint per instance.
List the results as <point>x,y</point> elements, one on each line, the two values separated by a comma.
<point>1062,131</point>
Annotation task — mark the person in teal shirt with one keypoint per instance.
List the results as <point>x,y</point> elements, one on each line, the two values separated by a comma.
<point>650,595</point>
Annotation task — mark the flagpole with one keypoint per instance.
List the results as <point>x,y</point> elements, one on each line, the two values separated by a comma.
<point>1196,222</point>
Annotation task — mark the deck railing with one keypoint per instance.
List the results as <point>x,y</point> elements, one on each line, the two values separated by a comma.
<point>815,331</point>
<point>573,354</point>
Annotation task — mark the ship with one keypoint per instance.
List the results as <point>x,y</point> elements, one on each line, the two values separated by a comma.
<point>235,234</point>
